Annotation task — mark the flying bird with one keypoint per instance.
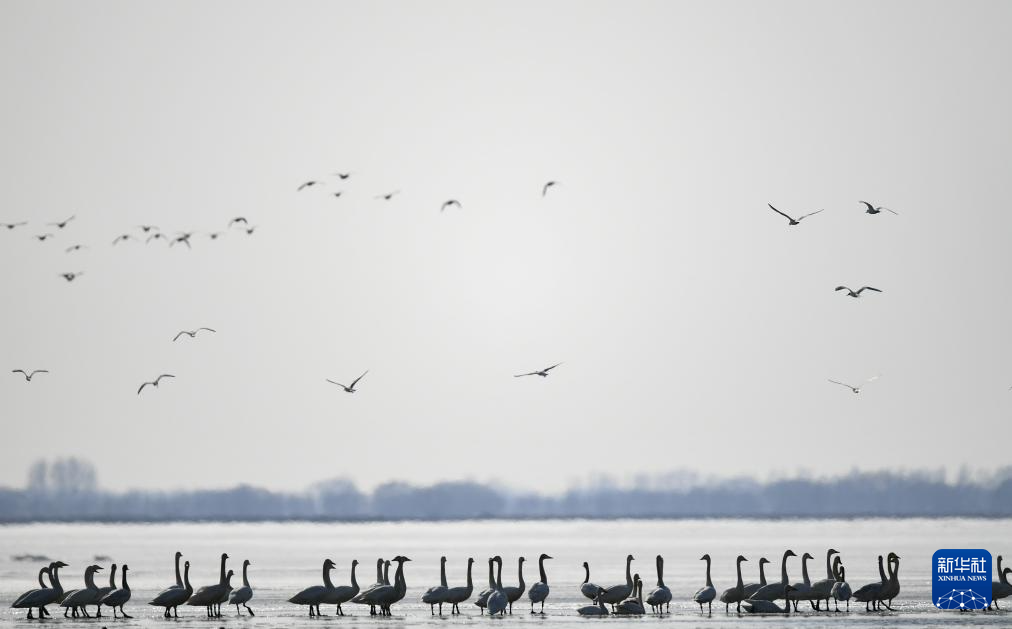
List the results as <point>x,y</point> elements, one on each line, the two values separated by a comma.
<point>43,237</point>
<point>856,389</point>
<point>338,193</point>
<point>793,221</point>
<point>250,230</point>
<point>62,224</point>
<point>28,375</point>
<point>548,185</point>
<point>388,196</point>
<point>156,236</point>
<point>214,235</point>
<point>155,382</point>
<point>191,333</point>
<point>147,228</point>
<point>122,238</point>
<point>543,372</point>
<point>76,248</point>
<point>343,176</point>
<point>238,219</point>
<point>70,277</point>
<point>857,293</point>
<point>307,185</point>
<point>875,210</point>
<point>349,389</point>
<point>183,238</point>
<point>13,225</point>
<point>450,203</point>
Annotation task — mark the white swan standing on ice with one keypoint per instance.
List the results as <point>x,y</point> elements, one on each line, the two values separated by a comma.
<point>498,601</point>
<point>660,596</point>
<point>618,593</point>
<point>172,597</point>
<point>436,595</point>
<point>824,587</point>
<point>539,591</point>
<point>735,594</point>
<point>120,596</point>
<point>458,595</point>
<point>513,594</point>
<point>774,591</point>
<point>588,589</point>
<point>752,588</point>
<point>242,595</point>
<point>313,595</point>
<point>341,594</point>
<point>841,589</point>
<point>707,593</point>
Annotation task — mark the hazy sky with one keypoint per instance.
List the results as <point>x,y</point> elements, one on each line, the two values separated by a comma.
<point>698,330</point>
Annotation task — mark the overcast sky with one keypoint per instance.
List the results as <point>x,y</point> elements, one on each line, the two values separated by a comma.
<point>696,327</point>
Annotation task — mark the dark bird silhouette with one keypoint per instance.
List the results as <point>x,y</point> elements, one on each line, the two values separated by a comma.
<point>183,238</point>
<point>147,228</point>
<point>123,237</point>
<point>191,333</point>
<point>349,388</point>
<point>871,209</point>
<point>450,203</point>
<point>793,221</point>
<point>155,382</point>
<point>343,176</point>
<point>542,372</point>
<point>70,277</point>
<point>75,248</point>
<point>548,185</point>
<point>338,193</point>
<point>858,292</point>
<point>13,225</point>
<point>62,224</point>
<point>250,230</point>
<point>308,184</point>
<point>156,236</point>
<point>389,195</point>
<point>43,237</point>
<point>214,235</point>
<point>237,220</point>
<point>856,389</point>
<point>28,374</point>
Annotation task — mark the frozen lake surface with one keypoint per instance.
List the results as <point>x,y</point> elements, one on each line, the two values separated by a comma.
<point>288,556</point>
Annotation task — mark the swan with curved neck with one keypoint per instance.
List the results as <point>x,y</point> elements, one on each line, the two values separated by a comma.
<point>891,589</point>
<point>513,594</point>
<point>209,595</point>
<point>314,595</point>
<point>774,591</point>
<point>737,593</point>
<point>822,589</point>
<point>588,589</point>
<point>102,591</point>
<point>43,595</point>
<point>660,596</point>
<point>803,590</point>
<point>707,593</point>
<point>172,597</point>
<point>80,599</point>
<point>458,595</point>
<point>618,593</point>
<point>498,601</point>
<point>752,588</point>
<point>242,595</point>
<point>482,600</point>
<point>360,598</point>
<point>436,595</point>
<point>841,589</point>
<point>539,591</point>
<point>120,596</point>
<point>387,595</point>
<point>343,593</point>
<point>869,593</point>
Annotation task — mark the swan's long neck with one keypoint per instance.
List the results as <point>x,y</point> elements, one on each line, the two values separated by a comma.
<point>586,578</point>
<point>783,569</point>
<point>804,570</point>
<point>829,567</point>
<point>660,571</point>
<point>55,577</point>
<point>491,574</point>
<point>326,577</point>
<point>45,571</point>
<point>628,572</point>
<point>541,569</point>
<point>881,572</point>
<point>762,573</point>
<point>112,577</point>
<point>354,581</point>
<point>1001,575</point>
<point>379,571</point>
<point>245,568</point>
<point>520,569</point>
<point>400,585</point>
<point>386,573</point>
<point>186,579</point>
<point>498,575</point>
<point>894,571</point>
<point>741,584</point>
<point>470,585</point>
<point>179,579</point>
<point>442,572</point>
<point>89,579</point>
<point>126,586</point>
<point>709,583</point>
<point>224,558</point>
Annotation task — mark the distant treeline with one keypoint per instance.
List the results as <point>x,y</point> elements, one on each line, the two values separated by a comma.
<point>61,496</point>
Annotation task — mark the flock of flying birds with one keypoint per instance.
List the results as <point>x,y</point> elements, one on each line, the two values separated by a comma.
<point>152,232</point>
